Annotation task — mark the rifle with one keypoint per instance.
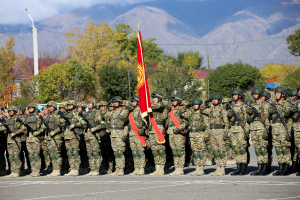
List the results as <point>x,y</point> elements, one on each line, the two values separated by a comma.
<point>257,115</point>
<point>88,125</point>
<point>270,101</point>
<point>49,130</point>
<point>238,119</point>
<point>68,123</point>
<point>298,108</point>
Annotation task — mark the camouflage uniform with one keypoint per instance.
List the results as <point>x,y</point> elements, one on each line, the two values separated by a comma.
<point>33,141</point>
<point>118,118</point>
<point>44,134</point>
<point>216,127</point>
<point>15,130</point>
<point>3,145</point>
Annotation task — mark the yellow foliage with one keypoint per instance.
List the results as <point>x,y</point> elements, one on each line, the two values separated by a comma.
<point>272,71</point>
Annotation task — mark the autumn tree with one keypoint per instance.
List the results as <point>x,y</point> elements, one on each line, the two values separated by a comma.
<point>294,43</point>
<point>292,80</point>
<point>191,58</point>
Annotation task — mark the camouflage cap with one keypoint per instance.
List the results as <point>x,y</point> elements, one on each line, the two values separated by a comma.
<point>117,99</point>
<point>176,98</point>
<point>63,105</point>
<point>265,93</point>
<point>81,104</point>
<point>92,100</point>
<point>32,105</point>
<point>102,103</point>
<point>157,95</point>
<point>135,98</point>
<point>72,102</point>
<point>294,92</point>
<point>216,96</point>
<point>52,103</point>
<point>12,108</point>
<point>197,101</point>
<point>256,90</point>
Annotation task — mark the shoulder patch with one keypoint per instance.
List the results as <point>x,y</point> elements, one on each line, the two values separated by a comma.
<point>51,116</point>
<point>90,113</point>
<point>31,116</point>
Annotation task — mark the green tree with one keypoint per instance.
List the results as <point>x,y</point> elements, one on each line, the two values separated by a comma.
<point>234,75</point>
<point>292,80</point>
<point>192,59</point>
<point>294,43</point>
<point>114,81</point>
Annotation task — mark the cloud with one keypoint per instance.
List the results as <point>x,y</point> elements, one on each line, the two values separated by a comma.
<point>13,11</point>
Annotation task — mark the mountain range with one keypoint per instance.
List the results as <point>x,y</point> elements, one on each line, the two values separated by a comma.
<point>251,31</point>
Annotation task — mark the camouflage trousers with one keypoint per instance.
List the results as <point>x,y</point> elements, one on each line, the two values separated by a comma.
<point>14,151</point>
<point>198,145</point>
<point>3,146</point>
<point>46,155</point>
<point>229,150</point>
<point>72,147</point>
<point>54,150</point>
<point>118,146</point>
<point>137,150</point>
<point>34,149</point>
<point>93,153</point>
<point>177,143</point>
<point>239,142</point>
<point>259,143</point>
<point>279,141</point>
<point>218,144</point>
<point>159,159</point>
<point>209,155</point>
<point>296,127</point>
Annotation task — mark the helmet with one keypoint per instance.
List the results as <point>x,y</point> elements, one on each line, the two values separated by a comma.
<point>294,92</point>
<point>102,103</point>
<point>111,105</point>
<point>288,91</point>
<point>72,102</point>
<point>237,91</point>
<point>12,108</point>
<point>92,100</point>
<point>226,100</point>
<point>281,90</point>
<point>32,105</point>
<point>52,103</point>
<point>176,98</point>
<point>135,98</point>
<point>256,90</point>
<point>117,99</point>
<point>243,96</point>
<point>265,93</point>
<point>63,105</point>
<point>157,95</point>
<point>216,96</point>
<point>197,101</point>
<point>81,104</point>
<point>298,88</point>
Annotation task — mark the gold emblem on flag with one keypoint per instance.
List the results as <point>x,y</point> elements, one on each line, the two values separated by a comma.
<point>140,74</point>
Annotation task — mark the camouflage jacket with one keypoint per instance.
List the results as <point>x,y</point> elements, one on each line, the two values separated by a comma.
<point>73,118</point>
<point>34,122</point>
<point>118,119</point>
<point>96,123</point>
<point>217,117</point>
<point>138,120</point>
<point>15,129</point>
<point>285,109</point>
<point>160,113</point>
<point>262,108</point>
<point>296,112</point>
<point>181,116</point>
<point>52,123</point>
<point>197,122</point>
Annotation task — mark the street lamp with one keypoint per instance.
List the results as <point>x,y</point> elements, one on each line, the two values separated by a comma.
<point>35,47</point>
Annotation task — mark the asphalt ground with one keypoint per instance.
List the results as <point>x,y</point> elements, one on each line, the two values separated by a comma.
<point>154,187</point>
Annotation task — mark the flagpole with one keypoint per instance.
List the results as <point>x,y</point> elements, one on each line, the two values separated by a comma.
<point>129,86</point>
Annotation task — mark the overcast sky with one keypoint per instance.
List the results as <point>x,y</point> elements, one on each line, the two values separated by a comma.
<point>13,11</point>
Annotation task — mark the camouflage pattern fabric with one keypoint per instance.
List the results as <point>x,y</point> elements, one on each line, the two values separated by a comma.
<point>118,145</point>
<point>3,146</point>
<point>45,153</point>
<point>93,147</point>
<point>74,159</point>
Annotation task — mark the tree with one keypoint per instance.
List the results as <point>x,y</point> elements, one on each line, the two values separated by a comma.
<point>234,75</point>
<point>114,81</point>
<point>187,58</point>
<point>64,81</point>
<point>294,43</point>
<point>95,46</point>
<point>292,80</point>
<point>272,71</point>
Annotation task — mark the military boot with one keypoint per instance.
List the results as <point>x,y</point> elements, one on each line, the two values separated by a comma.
<point>10,175</point>
<point>285,170</point>
<point>175,172</point>
<point>180,171</point>
<point>84,171</point>
<point>48,169</point>
<point>95,173</point>
<point>221,172</point>
<point>201,171</point>
<point>244,168</point>
<point>36,174</point>
<point>238,169</point>
<point>298,174</point>
<point>141,171</point>
<point>15,175</point>
<point>161,170</point>
<point>90,173</point>
<point>194,173</point>
<point>257,172</point>
<point>54,173</point>
<point>121,172</point>
<point>293,168</point>
<point>31,174</point>
<point>215,173</point>
<point>155,173</point>
<point>279,170</point>
<point>135,172</point>
<point>208,162</point>
<point>73,172</point>
<point>263,171</point>
<point>115,173</point>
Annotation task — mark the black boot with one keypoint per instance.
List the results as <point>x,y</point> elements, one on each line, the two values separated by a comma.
<point>243,169</point>
<point>285,170</point>
<point>293,169</point>
<point>238,169</point>
<point>298,174</point>
<point>279,170</point>
<point>263,171</point>
<point>257,172</point>
<point>269,168</point>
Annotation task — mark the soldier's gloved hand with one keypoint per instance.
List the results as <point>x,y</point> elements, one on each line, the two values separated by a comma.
<point>142,132</point>
<point>36,133</point>
<point>288,138</point>
<point>176,131</point>
<point>13,134</point>
<point>225,136</point>
<point>169,106</point>
<point>72,126</point>
<point>52,133</point>
<point>230,113</point>
<point>206,139</point>
<point>92,130</point>
<point>265,135</point>
<point>227,106</point>
<point>272,110</point>
<point>62,121</point>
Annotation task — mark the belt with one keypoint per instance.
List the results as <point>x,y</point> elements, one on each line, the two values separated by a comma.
<point>160,123</point>
<point>117,128</point>
<point>217,126</point>
<point>171,125</point>
<point>197,129</point>
<point>130,128</point>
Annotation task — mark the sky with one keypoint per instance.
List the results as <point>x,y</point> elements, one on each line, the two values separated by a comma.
<point>13,11</point>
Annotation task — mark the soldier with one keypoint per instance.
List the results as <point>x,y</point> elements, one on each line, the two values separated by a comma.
<point>176,126</point>
<point>44,144</point>
<point>136,136</point>
<point>296,128</point>
<point>259,131</point>
<point>106,150</point>
<point>265,95</point>
<point>15,130</point>
<point>53,126</point>
<point>217,128</point>
<point>210,151</point>
<point>118,118</point>
<point>156,128</point>
<point>229,144</point>
<point>34,139</point>
<point>197,125</point>
<point>281,139</point>
<point>3,143</point>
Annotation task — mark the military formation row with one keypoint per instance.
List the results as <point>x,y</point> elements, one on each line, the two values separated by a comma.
<point>78,136</point>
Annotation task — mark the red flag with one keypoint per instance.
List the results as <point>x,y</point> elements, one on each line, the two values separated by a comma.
<point>144,97</point>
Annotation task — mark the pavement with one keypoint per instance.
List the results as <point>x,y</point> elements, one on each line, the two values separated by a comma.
<point>154,187</point>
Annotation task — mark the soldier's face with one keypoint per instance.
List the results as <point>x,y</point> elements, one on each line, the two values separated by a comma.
<point>155,100</point>
<point>299,93</point>
<point>196,106</point>
<point>255,96</point>
<point>79,108</point>
<point>235,97</point>
<point>46,111</point>
<point>31,110</point>
<point>263,98</point>
<point>70,106</point>
<point>90,105</point>
<point>215,101</point>
<point>101,107</point>
<point>174,103</point>
<point>294,98</point>
<point>116,104</point>
<point>111,108</point>
<point>11,112</point>
<point>278,95</point>
<point>134,103</point>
